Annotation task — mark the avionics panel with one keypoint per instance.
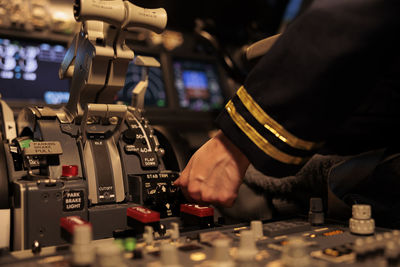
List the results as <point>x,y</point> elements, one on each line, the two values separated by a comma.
<point>155,94</point>
<point>29,71</point>
<point>197,84</point>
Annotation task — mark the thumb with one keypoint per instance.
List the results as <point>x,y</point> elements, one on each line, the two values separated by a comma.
<point>177,182</point>
<point>183,178</point>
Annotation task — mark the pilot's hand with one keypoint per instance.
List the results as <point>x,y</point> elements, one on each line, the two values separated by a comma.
<point>214,173</point>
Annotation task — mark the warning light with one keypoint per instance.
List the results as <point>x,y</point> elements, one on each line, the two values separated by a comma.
<point>69,170</point>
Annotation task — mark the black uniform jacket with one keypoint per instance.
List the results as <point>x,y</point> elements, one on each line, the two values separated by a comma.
<point>329,85</point>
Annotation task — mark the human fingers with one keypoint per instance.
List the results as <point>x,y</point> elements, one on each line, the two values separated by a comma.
<point>177,182</point>
<point>187,196</point>
<point>194,188</point>
<point>182,180</point>
<point>218,196</point>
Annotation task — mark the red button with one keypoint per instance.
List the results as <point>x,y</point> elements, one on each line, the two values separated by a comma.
<point>70,222</point>
<point>69,170</point>
<point>197,210</point>
<point>143,215</point>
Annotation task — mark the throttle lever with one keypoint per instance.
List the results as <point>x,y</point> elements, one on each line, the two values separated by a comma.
<point>121,13</point>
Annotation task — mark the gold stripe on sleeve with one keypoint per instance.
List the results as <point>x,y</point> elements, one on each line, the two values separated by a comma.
<point>270,124</point>
<point>260,141</point>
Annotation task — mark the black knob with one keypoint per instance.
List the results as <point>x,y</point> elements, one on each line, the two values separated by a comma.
<point>129,136</point>
<point>316,205</point>
<point>316,211</point>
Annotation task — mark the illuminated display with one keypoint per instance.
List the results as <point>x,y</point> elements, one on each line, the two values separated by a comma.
<point>197,85</point>
<point>29,71</point>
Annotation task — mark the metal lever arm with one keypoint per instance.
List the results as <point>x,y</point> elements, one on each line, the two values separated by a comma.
<point>101,158</point>
<point>99,57</point>
<point>121,14</point>
<point>139,92</point>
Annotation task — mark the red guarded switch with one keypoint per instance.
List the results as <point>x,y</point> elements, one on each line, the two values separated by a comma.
<point>143,215</point>
<point>68,223</point>
<point>197,216</point>
<point>197,210</point>
<point>139,217</point>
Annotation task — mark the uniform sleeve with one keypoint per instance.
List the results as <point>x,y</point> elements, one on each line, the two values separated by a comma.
<point>315,75</point>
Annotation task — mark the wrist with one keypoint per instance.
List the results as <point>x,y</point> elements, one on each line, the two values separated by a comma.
<point>239,157</point>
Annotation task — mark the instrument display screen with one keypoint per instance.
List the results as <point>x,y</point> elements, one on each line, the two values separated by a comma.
<point>29,71</point>
<point>198,85</point>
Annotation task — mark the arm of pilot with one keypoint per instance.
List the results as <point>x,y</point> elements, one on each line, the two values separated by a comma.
<point>315,75</point>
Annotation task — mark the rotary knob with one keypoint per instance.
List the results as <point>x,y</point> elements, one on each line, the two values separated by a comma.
<point>129,136</point>
<point>316,212</point>
<point>361,223</point>
<point>361,212</point>
<point>295,253</point>
<point>256,228</point>
<point>247,248</point>
<point>110,255</point>
<point>169,256</point>
<point>221,257</point>
<point>83,253</point>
